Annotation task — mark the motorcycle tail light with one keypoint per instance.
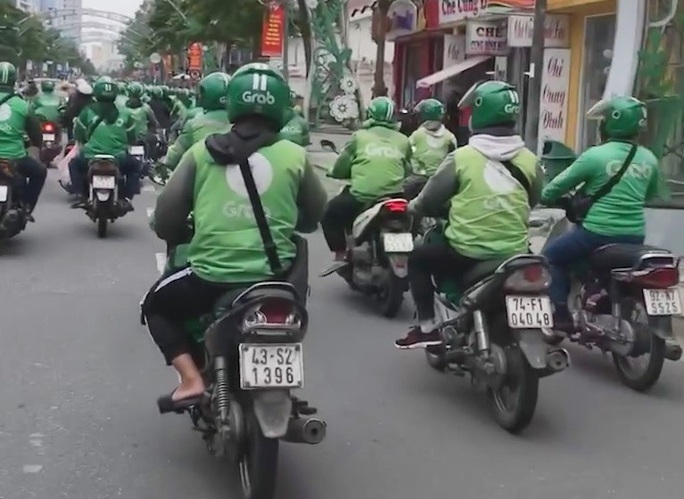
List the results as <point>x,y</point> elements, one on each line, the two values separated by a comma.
<point>272,314</point>
<point>48,127</point>
<point>396,205</point>
<point>657,278</point>
<point>529,279</point>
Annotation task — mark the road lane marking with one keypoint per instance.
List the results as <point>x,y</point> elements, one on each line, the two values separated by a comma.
<point>32,468</point>
<point>150,212</point>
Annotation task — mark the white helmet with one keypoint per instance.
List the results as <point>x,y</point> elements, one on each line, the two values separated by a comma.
<point>82,87</point>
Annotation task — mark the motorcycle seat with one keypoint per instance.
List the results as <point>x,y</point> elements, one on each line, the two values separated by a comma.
<point>480,271</point>
<point>616,256</point>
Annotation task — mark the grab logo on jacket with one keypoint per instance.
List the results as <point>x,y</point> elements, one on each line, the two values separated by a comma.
<point>262,171</point>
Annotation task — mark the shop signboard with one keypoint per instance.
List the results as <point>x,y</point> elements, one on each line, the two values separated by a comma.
<point>454,50</point>
<point>556,31</point>
<point>195,57</point>
<point>555,86</point>
<point>272,34</point>
<point>402,19</point>
<point>454,11</point>
<point>486,38</point>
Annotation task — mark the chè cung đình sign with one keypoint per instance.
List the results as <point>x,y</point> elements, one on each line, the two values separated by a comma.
<point>553,105</point>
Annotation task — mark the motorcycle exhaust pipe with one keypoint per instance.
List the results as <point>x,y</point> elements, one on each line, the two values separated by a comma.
<point>558,360</point>
<point>305,431</point>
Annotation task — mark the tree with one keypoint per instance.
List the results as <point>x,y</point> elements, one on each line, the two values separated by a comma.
<point>380,25</point>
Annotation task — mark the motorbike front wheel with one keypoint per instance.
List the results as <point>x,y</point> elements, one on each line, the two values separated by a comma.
<point>259,464</point>
<point>515,400</point>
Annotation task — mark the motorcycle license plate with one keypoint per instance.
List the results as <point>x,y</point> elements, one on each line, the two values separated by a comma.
<point>136,151</point>
<point>397,243</point>
<point>48,137</point>
<point>103,182</point>
<point>3,193</point>
<point>271,366</point>
<point>529,312</point>
<point>663,301</point>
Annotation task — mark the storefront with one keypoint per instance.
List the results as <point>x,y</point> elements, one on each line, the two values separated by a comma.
<point>418,47</point>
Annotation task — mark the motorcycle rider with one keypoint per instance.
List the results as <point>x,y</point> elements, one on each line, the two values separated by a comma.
<point>78,101</point>
<point>226,251</point>
<point>296,128</point>
<point>145,122</point>
<point>47,104</point>
<point>212,95</point>
<point>376,161</point>
<point>430,144</point>
<point>162,112</point>
<point>490,186</point>
<point>16,120</point>
<point>618,216</point>
<point>103,128</point>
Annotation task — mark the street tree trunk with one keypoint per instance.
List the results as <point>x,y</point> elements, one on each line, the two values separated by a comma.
<point>379,87</point>
<point>304,26</point>
<point>534,87</point>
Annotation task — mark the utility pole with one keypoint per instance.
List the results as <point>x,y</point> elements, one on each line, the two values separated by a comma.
<point>535,76</point>
<point>286,41</point>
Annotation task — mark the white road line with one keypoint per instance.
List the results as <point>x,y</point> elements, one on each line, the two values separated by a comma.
<point>161,261</point>
<point>150,212</point>
<point>32,468</point>
<point>148,188</point>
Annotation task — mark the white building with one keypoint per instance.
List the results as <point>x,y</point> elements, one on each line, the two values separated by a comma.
<point>28,5</point>
<point>68,25</point>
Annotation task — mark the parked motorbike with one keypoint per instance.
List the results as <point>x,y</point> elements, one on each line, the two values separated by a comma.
<point>13,212</point>
<point>250,353</point>
<point>52,142</point>
<point>377,251</point>
<point>102,206</point>
<point>623,303</point>
<point>496,324</point>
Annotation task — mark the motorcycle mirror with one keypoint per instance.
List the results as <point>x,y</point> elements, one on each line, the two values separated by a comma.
<point>328,145</point>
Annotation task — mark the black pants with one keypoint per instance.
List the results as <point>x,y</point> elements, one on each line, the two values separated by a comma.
<point>430,259</point>
<point>339,217</point>
<point>413,185</point>
<point>35,172</point>
<point>175,298</point>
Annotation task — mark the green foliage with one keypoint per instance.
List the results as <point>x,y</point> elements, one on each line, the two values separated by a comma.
<point>23,37</point>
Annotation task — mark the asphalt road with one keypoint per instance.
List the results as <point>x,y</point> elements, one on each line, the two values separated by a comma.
<point>79,378</point>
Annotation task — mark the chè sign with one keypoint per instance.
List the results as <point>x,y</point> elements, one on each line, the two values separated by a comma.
<point>553,105</point>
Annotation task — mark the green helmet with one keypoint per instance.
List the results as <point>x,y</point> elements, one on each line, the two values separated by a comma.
<point>492,103</point>
<point>621,117</point>
<point>256,88</point>
<point>156,92</point>
<point>135,89</point>
<point>430,110</point>
<point>213,90</point>
<point>8,75</point>
<point>47,86</point>
<point>165,90</point>
<point>381,109</point>
<point>105,89</point>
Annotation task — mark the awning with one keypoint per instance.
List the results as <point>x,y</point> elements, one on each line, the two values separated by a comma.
<point>454,70</point>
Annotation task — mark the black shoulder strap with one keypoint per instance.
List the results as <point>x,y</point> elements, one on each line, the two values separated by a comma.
<point>519,176</point>
<point>260,217</point>
<point>608,186</point>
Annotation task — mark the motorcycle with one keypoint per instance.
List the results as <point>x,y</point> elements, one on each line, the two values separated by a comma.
<point>623,304</point>
<point>52,142</point>
<point>14,213</point>
<point>377,251</point>
<point>250,354</point>
<point>103,178</point>
<point>138,152</point>
<point>496,325</point>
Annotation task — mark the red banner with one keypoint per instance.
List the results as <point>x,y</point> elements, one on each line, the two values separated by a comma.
<point>195,57</point>
<point>273,31</point>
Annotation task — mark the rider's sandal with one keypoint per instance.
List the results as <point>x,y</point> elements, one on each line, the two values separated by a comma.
<point>166,403</point>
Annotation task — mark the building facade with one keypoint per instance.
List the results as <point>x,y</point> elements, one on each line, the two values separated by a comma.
<point>67,23</point>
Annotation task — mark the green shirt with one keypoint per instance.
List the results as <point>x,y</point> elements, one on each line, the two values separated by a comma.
<point>13,115</point>
<point>376,161</point>
<point>429,148</point>
<point>101,137</point>
<point>296,130</point>
<point>142,117</point>
<point>47,106</point>
<point>195,130</point>
<point>621,211</point>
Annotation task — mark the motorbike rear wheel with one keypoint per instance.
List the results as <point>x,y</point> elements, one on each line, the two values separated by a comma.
<point>391,295</point>
<point>515,400</point>
<point>647,342</point>
<point>259,464</point>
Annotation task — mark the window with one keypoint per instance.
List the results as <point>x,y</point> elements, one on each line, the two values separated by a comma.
<point>599,34</point>
<point>660,83</point>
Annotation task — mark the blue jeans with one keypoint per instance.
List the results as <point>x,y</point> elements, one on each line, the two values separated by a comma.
<point>129,167</point>
<point>576,245</point>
